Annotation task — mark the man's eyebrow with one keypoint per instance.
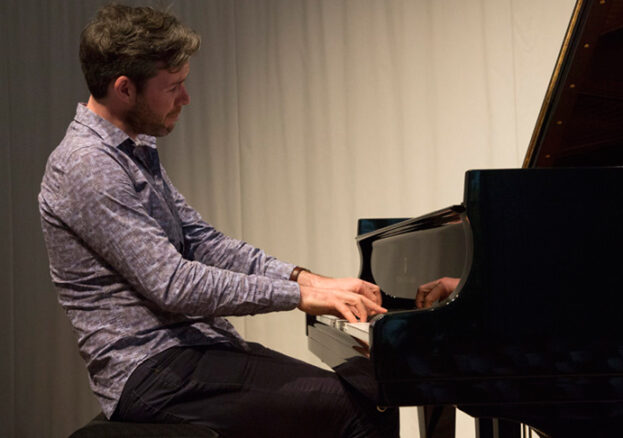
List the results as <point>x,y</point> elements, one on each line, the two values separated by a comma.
<point>175,83</point>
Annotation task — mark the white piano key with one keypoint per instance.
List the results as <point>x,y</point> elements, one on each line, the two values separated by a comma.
<point>359,330</point>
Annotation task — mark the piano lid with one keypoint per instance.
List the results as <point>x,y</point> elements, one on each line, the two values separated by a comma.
<point>581,120</point>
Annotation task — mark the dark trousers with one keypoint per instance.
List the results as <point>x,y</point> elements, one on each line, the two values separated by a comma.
<point>258,393</point>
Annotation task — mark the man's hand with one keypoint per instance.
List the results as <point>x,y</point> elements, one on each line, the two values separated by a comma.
<point>437,290</point>
<point>351,298</point>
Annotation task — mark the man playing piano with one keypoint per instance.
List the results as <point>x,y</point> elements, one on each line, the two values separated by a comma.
<point>146,283</point>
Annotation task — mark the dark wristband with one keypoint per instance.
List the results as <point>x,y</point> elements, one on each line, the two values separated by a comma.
<point>294,276</point>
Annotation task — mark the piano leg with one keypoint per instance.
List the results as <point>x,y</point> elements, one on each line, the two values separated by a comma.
<point>437,421</point>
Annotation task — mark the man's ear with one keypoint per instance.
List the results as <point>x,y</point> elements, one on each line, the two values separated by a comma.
<point>124,89</point>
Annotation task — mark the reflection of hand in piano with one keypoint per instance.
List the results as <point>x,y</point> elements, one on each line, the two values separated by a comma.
<point>362,348</point>
<point>430,293</point>
<point>351,298</point>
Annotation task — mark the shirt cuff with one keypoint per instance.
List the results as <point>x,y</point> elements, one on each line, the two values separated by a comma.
<point>278,269</point>
<point>286,295</point>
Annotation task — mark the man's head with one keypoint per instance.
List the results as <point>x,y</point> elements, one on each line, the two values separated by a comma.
<point>132,42</point>
<point>135,61</point>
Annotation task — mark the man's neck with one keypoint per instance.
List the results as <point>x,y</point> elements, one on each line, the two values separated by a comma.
<point>105,112</point>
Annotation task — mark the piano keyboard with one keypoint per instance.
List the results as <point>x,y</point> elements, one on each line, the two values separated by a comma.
<point>359,330</point>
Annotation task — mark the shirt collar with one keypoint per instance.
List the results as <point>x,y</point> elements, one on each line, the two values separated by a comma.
<point>109,133</point>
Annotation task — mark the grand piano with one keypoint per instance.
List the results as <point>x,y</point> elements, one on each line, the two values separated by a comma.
<point>534,331</point>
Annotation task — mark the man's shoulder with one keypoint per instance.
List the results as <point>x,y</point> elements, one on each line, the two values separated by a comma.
<point>87,135</point>
<point>79,159</point>
<point>81,144</point>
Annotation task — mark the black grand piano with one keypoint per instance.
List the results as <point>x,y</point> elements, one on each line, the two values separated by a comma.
<point>534,330</point>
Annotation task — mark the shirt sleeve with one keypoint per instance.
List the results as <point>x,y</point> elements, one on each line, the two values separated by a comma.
<point>104,210</point>
<point>213,248</point>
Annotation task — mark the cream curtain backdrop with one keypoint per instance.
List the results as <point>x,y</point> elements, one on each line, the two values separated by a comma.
<point>305,116</point>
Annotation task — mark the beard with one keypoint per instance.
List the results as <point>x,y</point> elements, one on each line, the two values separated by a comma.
<point>143,120</point>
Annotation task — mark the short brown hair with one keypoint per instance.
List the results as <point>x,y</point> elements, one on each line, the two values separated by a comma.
<point>135,42</point>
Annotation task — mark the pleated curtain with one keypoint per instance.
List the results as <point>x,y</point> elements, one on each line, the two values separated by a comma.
<point>305,115</point>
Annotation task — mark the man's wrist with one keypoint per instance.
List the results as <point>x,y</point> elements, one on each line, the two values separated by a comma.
<point>296,272</point>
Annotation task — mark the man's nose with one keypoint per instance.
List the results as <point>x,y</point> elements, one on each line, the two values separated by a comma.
<point>184,97</point>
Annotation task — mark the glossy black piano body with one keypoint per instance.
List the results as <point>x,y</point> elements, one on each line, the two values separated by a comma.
<point>537,317</point>
<point>534,331</point>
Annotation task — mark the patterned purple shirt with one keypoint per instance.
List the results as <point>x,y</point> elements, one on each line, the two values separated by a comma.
<point>136,268</point>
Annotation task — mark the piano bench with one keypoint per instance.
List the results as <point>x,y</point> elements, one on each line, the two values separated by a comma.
<point>100,427</point>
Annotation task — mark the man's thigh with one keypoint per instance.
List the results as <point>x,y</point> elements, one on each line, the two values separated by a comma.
<point>254,393</point>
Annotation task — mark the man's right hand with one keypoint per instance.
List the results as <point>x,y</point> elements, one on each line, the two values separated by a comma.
<point>351,306</point>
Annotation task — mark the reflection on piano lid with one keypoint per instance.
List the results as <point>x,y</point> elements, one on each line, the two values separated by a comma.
<point>408,253</point>
<point>533,331</point>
